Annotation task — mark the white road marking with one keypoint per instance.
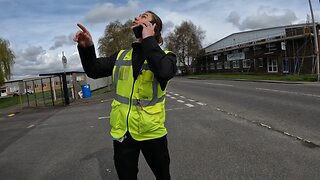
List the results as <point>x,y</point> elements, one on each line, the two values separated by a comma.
<point>200,103</point>
<point>264,125</point>
<point>104,117</point>
<point>217,84</point>
<point>179,108</point>
<point>289,92</point>
<point>214,84</point>
<point>181,101</point>
<point>32,125</point>
<point>189,105</point>
<point>10,115</point>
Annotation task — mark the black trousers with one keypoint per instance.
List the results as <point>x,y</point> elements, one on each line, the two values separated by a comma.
<point>155,151</point>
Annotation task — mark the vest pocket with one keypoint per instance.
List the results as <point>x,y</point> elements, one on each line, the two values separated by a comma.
<point>115,115</point>
<point>150,117</point>
<point>145,88</point>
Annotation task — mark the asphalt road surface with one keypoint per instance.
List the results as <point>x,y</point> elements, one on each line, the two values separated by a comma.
<point>216,130</point>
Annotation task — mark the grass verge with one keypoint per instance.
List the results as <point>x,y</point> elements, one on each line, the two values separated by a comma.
<point>235,76</point>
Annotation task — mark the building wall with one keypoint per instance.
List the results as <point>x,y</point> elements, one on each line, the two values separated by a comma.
<point>292,53</point>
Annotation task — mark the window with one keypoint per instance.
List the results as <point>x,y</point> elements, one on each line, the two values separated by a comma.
<point>44,85</point>
<point>246,63</point>
<point>255,48</point>
<point>285,66</point>
<point>260,62</point>
<point>35,85</point>
<point>227,65</point>
<point>272,65</point>
<point>271,45</point>
<point>212,66</point>
<point>236,64</point>
<point>219,65</point>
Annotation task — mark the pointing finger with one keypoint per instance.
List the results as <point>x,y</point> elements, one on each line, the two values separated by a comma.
<point>82,27</point>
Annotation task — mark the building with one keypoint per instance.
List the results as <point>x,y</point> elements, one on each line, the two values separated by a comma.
<point>53,81</point>
<point>277,50</point>
<point>3,91</point>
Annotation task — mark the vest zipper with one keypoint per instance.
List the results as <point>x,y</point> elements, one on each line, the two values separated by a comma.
<point>130,103</point>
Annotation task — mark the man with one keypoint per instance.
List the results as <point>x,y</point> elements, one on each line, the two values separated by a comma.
<point>140,76</point>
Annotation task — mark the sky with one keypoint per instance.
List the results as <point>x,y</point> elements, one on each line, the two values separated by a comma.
<point>39,30</point>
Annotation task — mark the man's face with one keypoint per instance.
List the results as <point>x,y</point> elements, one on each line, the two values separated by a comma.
<point>142,19</point>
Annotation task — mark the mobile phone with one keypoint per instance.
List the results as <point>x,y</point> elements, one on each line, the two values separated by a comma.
<point>138,30</point>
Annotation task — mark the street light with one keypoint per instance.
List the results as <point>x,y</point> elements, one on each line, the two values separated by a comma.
<point>315,35</point>
<point>64,80</point>
<point>64,62</point>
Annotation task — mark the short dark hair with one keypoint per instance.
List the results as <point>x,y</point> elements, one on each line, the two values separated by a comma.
<point>156,19</point>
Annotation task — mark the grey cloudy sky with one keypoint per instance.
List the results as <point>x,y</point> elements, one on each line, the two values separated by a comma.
<point>40,30</point>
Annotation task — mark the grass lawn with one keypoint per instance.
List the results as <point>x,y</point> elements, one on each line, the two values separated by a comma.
<point>22,100</point>
<point>9,101</point>
<point>42,99</point>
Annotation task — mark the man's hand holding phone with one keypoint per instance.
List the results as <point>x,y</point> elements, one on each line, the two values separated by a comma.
<point>144,30</point>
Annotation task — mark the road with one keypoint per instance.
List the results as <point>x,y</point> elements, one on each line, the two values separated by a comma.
<point>216,130</point>
<point>289,108</point>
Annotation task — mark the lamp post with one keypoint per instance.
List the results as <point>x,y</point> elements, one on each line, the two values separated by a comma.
<point>64,62</point>
<point>64,80</point>
<point>315,35</point>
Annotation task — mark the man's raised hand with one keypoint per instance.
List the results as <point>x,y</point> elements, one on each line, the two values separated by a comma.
<point>83,37</point>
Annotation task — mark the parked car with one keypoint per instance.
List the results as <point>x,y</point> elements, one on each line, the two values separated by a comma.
<point>29,91</point>
<point>17,93</point>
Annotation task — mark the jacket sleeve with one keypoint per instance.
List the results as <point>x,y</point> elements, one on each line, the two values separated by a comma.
<point>164,66</point>
<point>96,67</point>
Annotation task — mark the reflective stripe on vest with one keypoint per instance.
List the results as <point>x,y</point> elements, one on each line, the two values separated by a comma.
<point>121,62</point>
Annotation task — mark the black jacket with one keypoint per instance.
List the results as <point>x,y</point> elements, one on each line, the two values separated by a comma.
<point>162,65</point>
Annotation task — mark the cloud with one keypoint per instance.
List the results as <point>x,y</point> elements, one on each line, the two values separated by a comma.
<point>33,60</point>
<point>59,41</point>
<point>30,54</point>
<point>110,12</point>
<point>265,17</point>
<point>234,18</point>
<point>167,26</point>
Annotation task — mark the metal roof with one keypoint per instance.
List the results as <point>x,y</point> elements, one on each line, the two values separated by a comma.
<point>257,35</point>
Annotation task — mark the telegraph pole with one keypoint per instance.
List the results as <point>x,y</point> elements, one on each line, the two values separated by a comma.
<point>316,47</point>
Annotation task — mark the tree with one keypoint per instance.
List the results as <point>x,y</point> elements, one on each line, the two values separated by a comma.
<point>185,41</point>
<point>116,36</point>
<point>6,60</point>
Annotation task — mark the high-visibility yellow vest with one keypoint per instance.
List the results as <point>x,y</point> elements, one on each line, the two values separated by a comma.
<point>138,106</point>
